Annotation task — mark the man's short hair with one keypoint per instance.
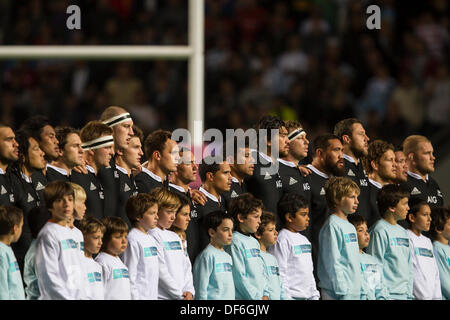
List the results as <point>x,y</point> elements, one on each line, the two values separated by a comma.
<point>439,217</point>
<point>411,143</point>
<point>214,219</point>
<point>389,196</point>
<point>156,141</point>
<point>112,225</point>
<point>137,132</point>
<point>89,225</point>
<point>267,217</point>
<point>345,127</point>
<point>204,167</point>
<point>165,198</point>
<point>290,203</point>
<point>375,151</point>
<point>62,134</point>
<point>244,204</point>
<point>94,130</point>
<point>269,123</point>
<point>338,187</point>
<point>323,141</point>
<point>10,216</point>
<point>56,190</point>
<point>137,205</point>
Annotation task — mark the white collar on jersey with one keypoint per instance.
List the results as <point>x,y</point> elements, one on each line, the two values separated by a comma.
<point>317,171</point>
<point>60,170</point>
<point>262,155</point>
<point>179,188</point>
<point>348,158</point>
<point>287,163</point>
<point>375,183</point>
<point>234,179</point>
<point>24,176</point>
<point>151,174</point>
<point>417,176</point>
<point>209,195</point>
<point>90,169</point>
<point>1,171</point>
<point>123,170</point>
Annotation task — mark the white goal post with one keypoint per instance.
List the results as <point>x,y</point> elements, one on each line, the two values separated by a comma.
<point>193,52</point>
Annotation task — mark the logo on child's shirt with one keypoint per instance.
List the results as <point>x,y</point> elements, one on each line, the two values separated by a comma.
<point>69,244</point>
<point>13,266</point>
<point>350,237</point>
<point>150,251</point>
<point>424,252</point>
<point>448,262</point>
<point>94,277</point>
<point>223,267</point>
<point>302,248</point>
<point>369,267</point>
<point>273,270</point>
<point>400,242</point>
<point>120,273</point>
<point>172,245</point>
<point>252,253</point>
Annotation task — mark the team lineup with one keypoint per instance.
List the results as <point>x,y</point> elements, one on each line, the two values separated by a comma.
<point>104,213</point>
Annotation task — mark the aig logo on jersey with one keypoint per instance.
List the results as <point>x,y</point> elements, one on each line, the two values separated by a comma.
<point>363,182</point>
<point>432,199</point>
<point>306,186</point>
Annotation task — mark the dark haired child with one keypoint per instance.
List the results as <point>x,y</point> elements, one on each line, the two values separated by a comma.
<point>440,234</point>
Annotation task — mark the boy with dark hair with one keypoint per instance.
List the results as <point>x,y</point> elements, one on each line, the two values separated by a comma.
<point>213,278</point>
<point>338,267</point>
<point>426,284</point>
<point>372,273</point>
<point>267,237</point>
<point>389,243</point>
<point>115,273</point>
<point>293,250</point>
<point>162,158</point>
<point>93,230</point>
<point>58,258</point>
<point>11,222</point>
<point>440,234</point>
<point>250,278</point>
<point>141,255</point>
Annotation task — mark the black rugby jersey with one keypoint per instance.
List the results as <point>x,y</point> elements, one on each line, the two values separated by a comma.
<point>108,180</point>
<point>236,189</point>
<point>359,176</point>
<point>127,188</point>
<point>428,191</point>
<point>147,181</point>
<point>56,174</point>
<point>293,180</point>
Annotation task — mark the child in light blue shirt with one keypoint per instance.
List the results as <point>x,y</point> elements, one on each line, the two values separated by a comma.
<point>338,266</point>
<point>11,222</point>
<point>372,273</point>
<point>389,243</point>
<point>440,234</point>
<point>249,274</point>
<point>213,278</point>
<point>267,236</point>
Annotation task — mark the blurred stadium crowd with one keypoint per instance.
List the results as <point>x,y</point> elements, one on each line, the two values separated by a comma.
<point>311,60</point>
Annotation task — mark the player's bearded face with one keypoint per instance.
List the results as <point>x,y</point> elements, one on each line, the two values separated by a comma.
<point>334,165</point>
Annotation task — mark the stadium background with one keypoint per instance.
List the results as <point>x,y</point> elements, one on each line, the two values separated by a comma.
<point>311,60</point>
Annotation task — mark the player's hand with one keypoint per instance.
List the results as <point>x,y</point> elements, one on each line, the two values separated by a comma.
<point>198,197</point>
<point>188,296</point>
<point>265,298</point>
<point>304,170</point>
<point>80,169</point>
<point>135,171</point>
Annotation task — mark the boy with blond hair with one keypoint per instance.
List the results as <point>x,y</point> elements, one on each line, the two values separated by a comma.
<point>141,255</point>
<point>79,209</point>
<point>339,269</point>
<point>11,222</point>
<point>389,243</point>
<point>175,269</point>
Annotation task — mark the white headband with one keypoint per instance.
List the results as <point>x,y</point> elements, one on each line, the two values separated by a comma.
<point>101,142</point>
<point>295,134</point>
<point>117,119</point>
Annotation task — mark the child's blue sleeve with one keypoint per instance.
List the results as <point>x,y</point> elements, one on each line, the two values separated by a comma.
<point>4,290</point>
<point>411,275</point>
<point>203,267</point>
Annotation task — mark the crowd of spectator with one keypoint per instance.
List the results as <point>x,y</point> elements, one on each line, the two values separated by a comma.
<point>311,60</point>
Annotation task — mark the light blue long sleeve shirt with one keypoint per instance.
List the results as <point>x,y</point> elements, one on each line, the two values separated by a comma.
<point>389,244</point>
<point>11,287</point>
<point>372,272</point>
<point>338,266</point>
<point>213,277</point>
<point>249,274</point>
<point>30,274</point>
<point>442,255</point>
<point>276,289</point>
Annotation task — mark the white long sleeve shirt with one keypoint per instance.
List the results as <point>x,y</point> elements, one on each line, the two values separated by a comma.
<point>141,258</point>
<point>58,264</point>
<point>293,253</point>
<point>93,275</point>
<point>174,274</point>
<point>426,285</point>
<point>116,278</point>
